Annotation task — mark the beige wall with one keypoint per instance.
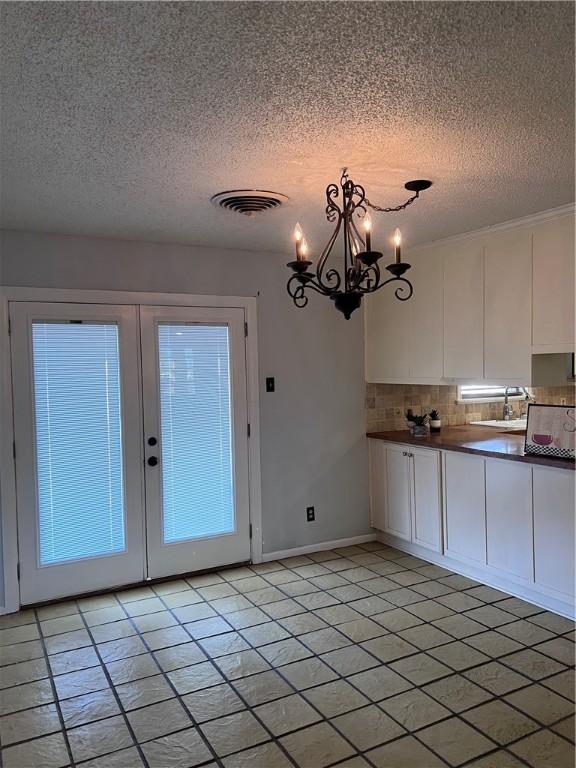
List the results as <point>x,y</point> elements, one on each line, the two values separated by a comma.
<point>386,403</point>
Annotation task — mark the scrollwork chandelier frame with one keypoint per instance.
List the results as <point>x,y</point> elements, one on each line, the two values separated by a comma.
<point>347,207</point>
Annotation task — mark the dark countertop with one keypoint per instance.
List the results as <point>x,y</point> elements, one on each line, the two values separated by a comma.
<point>485,441</point>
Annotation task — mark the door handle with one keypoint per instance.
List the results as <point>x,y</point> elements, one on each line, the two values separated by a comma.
<point>152,461</point>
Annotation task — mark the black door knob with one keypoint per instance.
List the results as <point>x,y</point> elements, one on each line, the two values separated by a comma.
<point>152,441</point>
<point>152,461</point>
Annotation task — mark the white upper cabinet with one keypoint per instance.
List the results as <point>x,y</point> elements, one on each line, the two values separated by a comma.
<point>553,286</point>
<point>464,311</point>
<point>508,306</point>
<point>426,331</point>
<point>387,336</point>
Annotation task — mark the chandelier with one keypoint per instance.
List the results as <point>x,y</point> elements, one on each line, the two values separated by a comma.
<point>346,206</point>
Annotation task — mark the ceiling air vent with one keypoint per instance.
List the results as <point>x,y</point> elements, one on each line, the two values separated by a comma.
<point>248,201</point>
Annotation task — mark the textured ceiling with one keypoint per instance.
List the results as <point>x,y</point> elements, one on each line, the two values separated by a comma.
<point>122,119</point>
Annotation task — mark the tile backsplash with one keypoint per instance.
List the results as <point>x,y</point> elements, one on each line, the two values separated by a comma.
<point>386,404</point>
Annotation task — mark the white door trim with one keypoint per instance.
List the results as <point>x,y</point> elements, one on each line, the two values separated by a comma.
<point>9,595</point>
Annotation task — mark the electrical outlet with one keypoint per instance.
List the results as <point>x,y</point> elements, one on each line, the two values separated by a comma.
<point>562,401</point>
<point>310,514</point>
<point>270,384</point>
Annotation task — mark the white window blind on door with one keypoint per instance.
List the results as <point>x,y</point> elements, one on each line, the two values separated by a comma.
<point>196,431</point>
<point>78,440</point>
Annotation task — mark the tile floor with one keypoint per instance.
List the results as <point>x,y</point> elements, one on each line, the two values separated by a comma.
<point>361,656</point>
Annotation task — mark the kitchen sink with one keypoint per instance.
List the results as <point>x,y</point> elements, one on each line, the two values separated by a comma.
<point>502,424</point>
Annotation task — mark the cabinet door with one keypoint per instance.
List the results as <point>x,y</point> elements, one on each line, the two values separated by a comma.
<point>464,507</point>
<point>387,336</point>
<point>509,517</point>
<point>397,518</point>
<point>508,306</point>
<point>554,528</point>
<point>464,311</point>
<point>426,518</point>
<point>553,286</point>
<point>377,458</point>
<point>426,330</point>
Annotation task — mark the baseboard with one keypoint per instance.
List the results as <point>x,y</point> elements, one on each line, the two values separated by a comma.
<point>530,595</point>
<point>308,548</point>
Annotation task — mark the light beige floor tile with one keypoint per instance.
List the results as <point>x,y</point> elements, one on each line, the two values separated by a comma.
<point>430,610</point>
<point>24,672</point>
<point>560,648</point>
<point>195,678</point>
<point>490,616</point>
<point>72,661</point>
<point>545,750</point>
<point>265,596</point>
<point>25,696</point>
<point>302,623</point>
<point>425,636</point>
<point>296,588</point>
<point>389,647</point>
<point>234,574</point>
<point>241,664</point>
<point>92,706</point>
<point>420,669</point>
<point>566,728</point>
<point>29,724</point>
<point>460,582</point>
<point>165,638</point>
<point>263,634</point>
<point>458,655</point>
<point>231,604</point>
<point>265,756</point>
<point>285,652</point>
<point>104,633</point>
<point>234,733</point>
<point>307,673</point>
<point>379,683</point>
<point>135,594</point>
<point>500,722</point>
<point>105,615</point>
<point>96,602</point>
<point>397,619</point>
<point>316,600</point>
<point>357,574</point>
<point>56,610</point>
<point>324,640</point>
<point>210,703</point>
<point>170,587</point>
<point>13,654</point>
<point>216,591</point>
<point>133,668</point>
<point>283,576</point>
<point>78,683</point>
<point>140,607</point>
<point>459,626</point>
<point>414,709</point>
<point>287,714</point>
<point>178,750</point>
<point>221,645</point>
<point>309,571</point>
<point>367,728</point>
<point>553,622</point>
<point>459,601</point>
<point>68,641</point>
<point>431,589</point>
<point>258,689</point>
<point>99,738</point>
<point>455,741</point>
<point>317,746</point>
<point>158,720</point>
<point>349,660</point>
<point>380,585</point>
<point>180,599</point>
<point>123,648</point>
<point>369,606</point>
<point>18,619</point>
<point>519,608</point>
<point>541,704</point>
<point>152,621</point>
<point>125,758</point>
<point>404,596</point>
<point>497,678</point>
<point>498,759</point>
<point>457,693</point>
<point>533,664</point>
<point>336,698</point>
<point>179,656</point>
<point>350,593</point>
<point>404,753</point>
<point>525,632</point>
<point>247,618</point>
<point>329,581</point>
<point>204,580</point>
<point>362,629</point>
<point>251,584</point>
<point>433,571</point>
<point>46,752</point>
<point>61,625</point>
<point>207,627</point>
<point>195,612</point>
<point>140,693</point>
<point>493,644</point>
<point>283,608</point>
<point>19,634</point>
<point>563,683</point>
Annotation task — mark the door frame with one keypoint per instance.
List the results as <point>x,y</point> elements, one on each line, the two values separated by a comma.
<point>9,581</point>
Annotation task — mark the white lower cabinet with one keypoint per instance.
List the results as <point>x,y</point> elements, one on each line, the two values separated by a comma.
<point>509,532</point>
<point>465,507</point>
<point>405,492</point>
<point>554,529</point>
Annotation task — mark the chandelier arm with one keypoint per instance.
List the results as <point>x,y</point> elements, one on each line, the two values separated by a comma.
<point>405,288</point>
<point>393,210</point>
<point>324,257</point>
<point>365,274</point>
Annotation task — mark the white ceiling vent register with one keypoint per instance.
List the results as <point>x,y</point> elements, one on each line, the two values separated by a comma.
<point>248,201</point>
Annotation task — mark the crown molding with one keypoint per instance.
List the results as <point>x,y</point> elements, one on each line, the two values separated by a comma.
<point>524,221</point>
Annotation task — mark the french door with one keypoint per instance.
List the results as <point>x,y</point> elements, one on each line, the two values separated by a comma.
<point>131,443</point>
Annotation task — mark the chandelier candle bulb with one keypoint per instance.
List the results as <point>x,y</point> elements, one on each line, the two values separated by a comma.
<point>298,238</point>
<point>397,244</point>
<point>368,231</point>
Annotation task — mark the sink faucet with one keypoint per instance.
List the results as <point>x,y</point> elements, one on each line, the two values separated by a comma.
<point>528,397</point>
<point>507,410</point>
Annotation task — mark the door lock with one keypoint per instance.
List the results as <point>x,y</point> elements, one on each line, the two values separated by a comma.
<point>152,461</point>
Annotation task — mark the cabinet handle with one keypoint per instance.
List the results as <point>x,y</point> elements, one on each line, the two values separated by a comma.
<point>404,453</point>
